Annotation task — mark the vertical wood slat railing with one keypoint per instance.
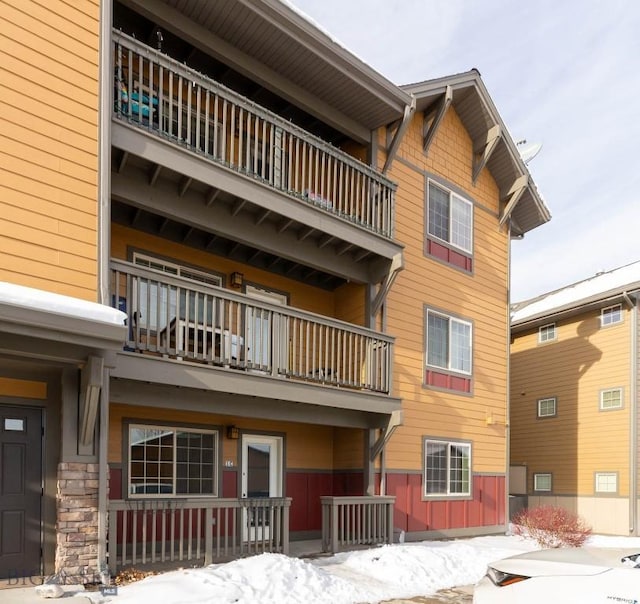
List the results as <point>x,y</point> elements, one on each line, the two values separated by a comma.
<point>155,92</point>
<point>354,521</point>
<point>184,319</point>
<point>150,531</point>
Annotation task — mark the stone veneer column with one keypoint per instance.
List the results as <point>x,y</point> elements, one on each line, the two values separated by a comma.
<point>77,520</point>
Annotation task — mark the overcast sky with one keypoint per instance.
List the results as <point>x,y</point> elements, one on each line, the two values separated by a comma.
<point>564,73</point>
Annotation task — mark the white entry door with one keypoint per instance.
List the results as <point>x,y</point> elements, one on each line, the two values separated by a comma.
<point>261,478</point>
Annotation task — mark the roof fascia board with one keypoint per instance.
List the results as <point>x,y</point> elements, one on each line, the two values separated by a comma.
<point>173,20</point>
<point>283,17</point>
<point>443,105</point>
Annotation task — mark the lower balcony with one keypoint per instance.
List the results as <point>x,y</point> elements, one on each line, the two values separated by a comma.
<point>172,532</point>
<point>179,319</point>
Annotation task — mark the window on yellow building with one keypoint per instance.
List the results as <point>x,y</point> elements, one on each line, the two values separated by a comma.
<point>449,226</point>
<point>611,315</point>
<point>542,481</point>
<point>606,482</point>
<point>547,407</point>
<point>447,468</point>
<point>547,333</point>
<point>611,399</point>
<point>449,351</point>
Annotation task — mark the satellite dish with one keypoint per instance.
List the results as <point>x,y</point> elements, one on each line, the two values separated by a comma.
<point>528,150</point>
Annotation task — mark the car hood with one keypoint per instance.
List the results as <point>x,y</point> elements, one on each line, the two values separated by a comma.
<point>565,561</point>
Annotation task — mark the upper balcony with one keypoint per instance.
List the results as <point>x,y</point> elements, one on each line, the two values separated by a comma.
<point>285,192</point>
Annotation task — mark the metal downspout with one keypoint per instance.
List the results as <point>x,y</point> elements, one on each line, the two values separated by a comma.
<point>633,413</point>
<point>103,244</point>
<point>507,415</point>
<point>104,152</point>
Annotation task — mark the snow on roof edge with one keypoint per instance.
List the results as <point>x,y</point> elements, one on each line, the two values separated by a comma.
<point>37,299</point>
<point>616,280</point>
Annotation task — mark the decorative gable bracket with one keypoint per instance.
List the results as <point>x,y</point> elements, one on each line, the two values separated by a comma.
<point>435,115</point>
<point>484,151</point>
<point>513,196</point>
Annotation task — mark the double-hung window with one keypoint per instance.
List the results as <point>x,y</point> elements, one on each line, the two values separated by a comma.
<point>167,461</point>
<point>447,468</point>
<point>449,226</point>
<point>448,351</point>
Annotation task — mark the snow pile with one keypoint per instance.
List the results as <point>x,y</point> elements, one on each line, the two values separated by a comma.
<point>371,575</point>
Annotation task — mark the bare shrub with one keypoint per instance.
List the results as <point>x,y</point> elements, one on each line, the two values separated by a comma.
<point>552,526</point>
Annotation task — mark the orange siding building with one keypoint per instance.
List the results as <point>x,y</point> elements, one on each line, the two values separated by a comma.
<point>574,372</point>
<point>251,292</point>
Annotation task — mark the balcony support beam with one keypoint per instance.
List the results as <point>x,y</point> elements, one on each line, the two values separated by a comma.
<point>397,264</point>
<point>154,382</point>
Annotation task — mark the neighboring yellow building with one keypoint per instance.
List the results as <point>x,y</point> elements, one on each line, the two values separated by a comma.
<point>251,292</point>
<point>574,390</point>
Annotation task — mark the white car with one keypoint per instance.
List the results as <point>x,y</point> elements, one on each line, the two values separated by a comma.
<point>587,575</point>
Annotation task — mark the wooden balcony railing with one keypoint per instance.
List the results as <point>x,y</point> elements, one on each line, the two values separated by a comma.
<point>155,92</point>
<point>352,521</point>
<point>187,320</point>
<point>149,531</point>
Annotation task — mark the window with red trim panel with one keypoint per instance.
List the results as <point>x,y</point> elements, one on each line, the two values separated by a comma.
<point>449,227</point>
<point>449,352</point>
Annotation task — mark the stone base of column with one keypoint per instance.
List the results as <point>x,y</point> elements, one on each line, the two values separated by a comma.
<point>77,522</point>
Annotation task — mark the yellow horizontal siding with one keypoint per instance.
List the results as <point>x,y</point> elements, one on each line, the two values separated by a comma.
<point>49,144</point>
<point>581,439</point>
<point>480,297</point>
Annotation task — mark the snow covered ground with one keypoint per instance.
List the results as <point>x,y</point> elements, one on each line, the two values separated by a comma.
<point>381,573</point>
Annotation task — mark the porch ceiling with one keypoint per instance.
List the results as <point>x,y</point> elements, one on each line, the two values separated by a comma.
<point>277,48</point>
<point>264,230</point>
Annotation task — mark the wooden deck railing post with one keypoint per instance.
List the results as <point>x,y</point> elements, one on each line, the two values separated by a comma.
<point>113,541</point>
<point>208,537</point>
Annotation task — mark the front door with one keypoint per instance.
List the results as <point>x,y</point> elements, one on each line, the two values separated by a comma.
<point>261,478</point>
<point>20,491</point>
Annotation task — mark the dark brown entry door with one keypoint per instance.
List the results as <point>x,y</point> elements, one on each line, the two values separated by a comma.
<point>20,491</point>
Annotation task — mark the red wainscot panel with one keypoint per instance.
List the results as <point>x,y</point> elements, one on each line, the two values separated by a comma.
<point>305,490</point>
<point>413,514</point>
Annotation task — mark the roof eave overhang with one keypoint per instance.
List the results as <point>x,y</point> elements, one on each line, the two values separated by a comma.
<point>374,95</point>
<point>565,311</point>
<point>337,56</point>
<point>72,337</point>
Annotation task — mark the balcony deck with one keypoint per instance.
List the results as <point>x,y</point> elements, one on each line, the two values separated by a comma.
<point>179,319</point>
<point>175,103</point>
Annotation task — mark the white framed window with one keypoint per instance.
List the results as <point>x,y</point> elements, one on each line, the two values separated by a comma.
<point>611,315</point>
<point>542,482</point>
<point>449,343</point>
<point>450,218</point>
<point>547,333</point>
<point>447,468</point>
<point>165,461</point>
<point>606,482</point>
<point>547,407</point>
<point>611,399</point>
